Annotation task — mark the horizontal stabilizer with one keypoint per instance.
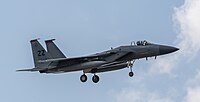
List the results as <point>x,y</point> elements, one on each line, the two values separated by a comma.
<point>31,70</point>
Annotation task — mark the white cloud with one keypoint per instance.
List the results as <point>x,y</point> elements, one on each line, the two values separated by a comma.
<point>193,90</point>
<point>187,17</point>
<point>163,64</point>
<point>193,95</point>
<point>187,21</point>
<point>139,95</point>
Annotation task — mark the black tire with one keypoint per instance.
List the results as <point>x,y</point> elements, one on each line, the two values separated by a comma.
<point>95,79</point>
<point>131,74</point>
<point>83,78</point>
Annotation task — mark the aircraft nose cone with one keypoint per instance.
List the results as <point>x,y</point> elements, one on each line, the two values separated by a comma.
<point>167,49</point>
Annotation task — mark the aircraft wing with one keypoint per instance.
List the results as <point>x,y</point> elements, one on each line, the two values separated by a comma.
<point>70,61</point>
<point>84,58</point>
<point>75,60</point>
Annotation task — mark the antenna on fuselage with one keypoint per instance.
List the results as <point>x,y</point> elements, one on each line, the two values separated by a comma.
<point>133,42</point>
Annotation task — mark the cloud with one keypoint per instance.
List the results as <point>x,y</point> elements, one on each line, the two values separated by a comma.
<point>193,95</point>
<point>163,64</point>
<point>187,23</point>
<point>187,19</point>
<point>193,89</point>
<point>139,95</point>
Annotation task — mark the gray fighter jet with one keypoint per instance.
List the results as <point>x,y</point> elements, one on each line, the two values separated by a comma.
<point>54,61</point>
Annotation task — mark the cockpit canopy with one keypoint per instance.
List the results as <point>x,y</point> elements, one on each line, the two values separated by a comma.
<point>142,43</point>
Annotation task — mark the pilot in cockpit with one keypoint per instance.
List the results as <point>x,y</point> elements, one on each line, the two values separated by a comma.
<point>142,43</point>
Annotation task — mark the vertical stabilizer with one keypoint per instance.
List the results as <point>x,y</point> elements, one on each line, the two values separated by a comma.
<point>53,50</point>
<point>39,53</point>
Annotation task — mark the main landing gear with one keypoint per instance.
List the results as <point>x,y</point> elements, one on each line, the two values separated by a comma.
<point>83,78</point>
<point>95,78</point>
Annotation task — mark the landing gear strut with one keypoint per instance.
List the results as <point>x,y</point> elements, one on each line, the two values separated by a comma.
<point>83,78</point>
<point>130,65</point>
<point>95,78</point>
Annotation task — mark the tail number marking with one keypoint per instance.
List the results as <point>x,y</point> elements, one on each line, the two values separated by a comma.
<point>41,53</point>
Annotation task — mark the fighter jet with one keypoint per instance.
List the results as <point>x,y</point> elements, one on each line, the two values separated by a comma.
<point>54,61</point>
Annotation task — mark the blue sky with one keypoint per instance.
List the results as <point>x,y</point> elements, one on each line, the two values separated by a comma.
<point>86,27</point>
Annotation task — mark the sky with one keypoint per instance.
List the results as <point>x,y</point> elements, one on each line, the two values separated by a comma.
<point>86,27</point>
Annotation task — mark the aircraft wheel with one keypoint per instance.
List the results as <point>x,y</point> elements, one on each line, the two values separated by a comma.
<point>83,78</point>
<point>95,79</point>
<point>131,74</point>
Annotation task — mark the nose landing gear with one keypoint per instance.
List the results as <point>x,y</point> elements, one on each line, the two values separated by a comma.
<point>130,65</point>
<point>131,74</point>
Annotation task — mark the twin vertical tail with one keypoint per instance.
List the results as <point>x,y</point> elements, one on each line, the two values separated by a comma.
<point>53,50</point>
<point>39,53</point>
